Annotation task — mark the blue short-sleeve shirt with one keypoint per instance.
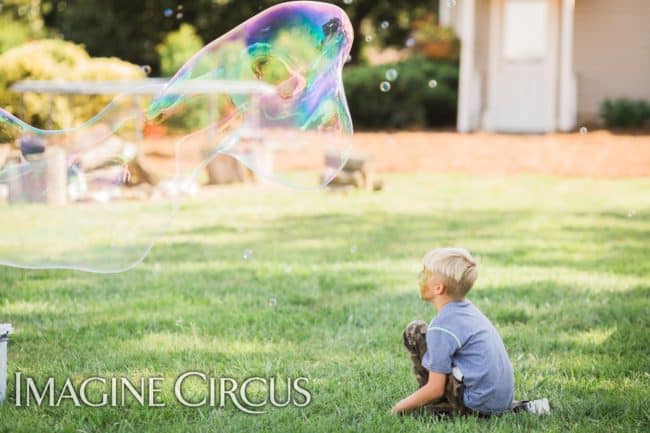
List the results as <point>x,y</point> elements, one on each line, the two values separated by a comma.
<point>460,335</point>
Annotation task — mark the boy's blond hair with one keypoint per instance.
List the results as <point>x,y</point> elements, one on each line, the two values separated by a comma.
<point>455,267</point>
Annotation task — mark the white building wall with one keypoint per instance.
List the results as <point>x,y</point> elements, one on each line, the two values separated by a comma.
<point>611,53</point>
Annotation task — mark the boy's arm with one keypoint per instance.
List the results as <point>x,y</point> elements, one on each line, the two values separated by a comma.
<point>432,390</point>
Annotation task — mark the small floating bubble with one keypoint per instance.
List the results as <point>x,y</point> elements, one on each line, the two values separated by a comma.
<point>410,42</point>
<point>117,237</point>
<point>583,130</point>
<point>248,254</point>
<point>433,84</point>
<point>391,74</point>
<point>146,69</point>
<point>384,25</point>
<point>273,302</point>
<point>385,86</point>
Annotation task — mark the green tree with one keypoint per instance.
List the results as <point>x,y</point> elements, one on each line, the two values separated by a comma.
<point>132,29</point>
<point>177,47</point>
<point>390,20</point>
<point>123,28</point>
<point>20,21</point>
<point>398,15</point>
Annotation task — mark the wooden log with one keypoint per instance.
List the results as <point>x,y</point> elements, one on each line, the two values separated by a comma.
<point>223,169</point>
<point>5,331</point>
<point>140,172</point>
<point>25,182</point>
<point>5,150</point>
<point>354,179</point>
<point>247,175</point>
<point>113,151</point>
<point>357,172</point>
<point>353,163</point>
<point>57,176</point>
<point>42,180</point>
<point>109,152</point>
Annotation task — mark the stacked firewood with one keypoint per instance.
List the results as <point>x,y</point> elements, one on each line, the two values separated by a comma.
<point>356,172</point>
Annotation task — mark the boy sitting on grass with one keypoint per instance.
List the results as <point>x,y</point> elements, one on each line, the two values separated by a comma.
<point>459,359</point>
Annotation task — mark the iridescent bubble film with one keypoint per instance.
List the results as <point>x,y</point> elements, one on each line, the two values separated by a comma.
<point>265,100</point>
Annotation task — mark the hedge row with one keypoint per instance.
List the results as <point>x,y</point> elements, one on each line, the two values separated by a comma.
<point>51,59</point>
<point>625,113</point>
<point>424,94</point>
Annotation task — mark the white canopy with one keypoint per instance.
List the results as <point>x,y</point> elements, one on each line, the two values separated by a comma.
<point>149,86</point>
<point>5,329</point>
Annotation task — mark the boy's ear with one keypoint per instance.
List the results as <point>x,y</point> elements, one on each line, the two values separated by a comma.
<point>439,289</point>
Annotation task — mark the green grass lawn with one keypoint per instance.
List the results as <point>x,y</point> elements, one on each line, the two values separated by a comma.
<point>564,275</point>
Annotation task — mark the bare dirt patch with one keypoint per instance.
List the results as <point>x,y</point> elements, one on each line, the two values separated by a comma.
<point>594,154</point>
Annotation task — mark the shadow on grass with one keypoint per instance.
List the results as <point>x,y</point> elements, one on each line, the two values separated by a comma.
<point>330,237</point>
<point>339,311</point>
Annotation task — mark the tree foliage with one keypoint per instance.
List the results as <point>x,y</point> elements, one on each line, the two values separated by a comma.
<point>177,47</point>
<point>20,21</point>
<point>132,29</point>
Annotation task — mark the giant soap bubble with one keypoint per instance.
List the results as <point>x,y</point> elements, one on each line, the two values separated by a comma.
<point>95,196</point>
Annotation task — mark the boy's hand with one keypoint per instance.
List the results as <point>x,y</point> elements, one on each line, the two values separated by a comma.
<point>432,390</point>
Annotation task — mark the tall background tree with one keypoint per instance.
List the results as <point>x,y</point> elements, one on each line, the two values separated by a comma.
<point>20,21</point>
<point>131,29</point>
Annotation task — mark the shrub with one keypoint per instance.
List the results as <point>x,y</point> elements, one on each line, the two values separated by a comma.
<point>410,101</point>
<point>177,48</point>
<point>101,69</point>
<point>625,113</point>
<point>13,33</point>
<point>50,59</point>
